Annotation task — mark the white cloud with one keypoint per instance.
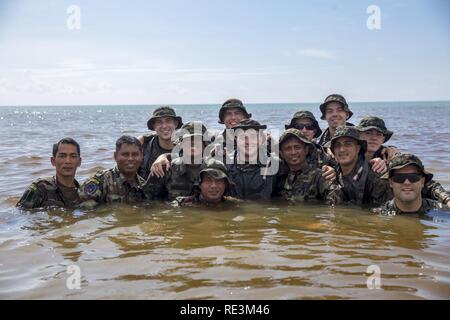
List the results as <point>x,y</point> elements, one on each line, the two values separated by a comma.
<point>310,52</point>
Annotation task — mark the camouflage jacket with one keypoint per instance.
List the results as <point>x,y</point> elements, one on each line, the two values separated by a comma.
<point>180,180</point>
<point>45,192</point>
<point>197,199</point>
<point>434,190</point>
<point>363,186</point>
<point>152,150</point>
<point>249,180</point>
<point>109,186</point>
<point>390,209</point>
<point>325,137</point>
<point>308,184</point>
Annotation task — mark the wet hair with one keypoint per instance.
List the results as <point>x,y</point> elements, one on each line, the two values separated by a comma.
<point>65,141</point>
<point>128,140</point>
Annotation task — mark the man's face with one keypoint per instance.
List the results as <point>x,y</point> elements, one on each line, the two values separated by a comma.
<point>407,191</point>
<point>306,126</point>
<point>248,143</point>
<point>346,150</point>
<point>294,152</point>
<point>129,158</point>
<point>212,189</point>
<point>374,139</point>
<point>164,127</point>
<point>335,114</point>
<point>232,117</point>
<point>67,160</point>
<point>193,149</point>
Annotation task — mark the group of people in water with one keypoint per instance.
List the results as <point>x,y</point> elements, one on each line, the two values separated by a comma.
<point>186,164</point>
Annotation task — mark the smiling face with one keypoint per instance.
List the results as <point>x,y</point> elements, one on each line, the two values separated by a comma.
<point>346,151</point>
<point>335,114</point>
<point>66,161</point>
<point>294,152</point>
<point>232,117</point>
<point>164,127</point>
<point>374,139</point>
<point>407,191</point>
<point>212,189</point>
<point>128,158</point>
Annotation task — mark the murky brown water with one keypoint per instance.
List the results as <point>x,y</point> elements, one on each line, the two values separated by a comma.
<point>259,251</point>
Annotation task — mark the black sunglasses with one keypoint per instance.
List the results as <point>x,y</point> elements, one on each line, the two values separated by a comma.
<point>300,126</point>
<point>401,177</point>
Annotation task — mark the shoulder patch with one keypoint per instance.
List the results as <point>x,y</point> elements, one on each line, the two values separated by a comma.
<point>90,188</point>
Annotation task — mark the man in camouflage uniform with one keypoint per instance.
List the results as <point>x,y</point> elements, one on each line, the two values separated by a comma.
<point>361,186</point>
<point>336,112</point>
<point>231,113</point>
<point>374,131</point>
<point>164,122</point>
<point>407,177</point>
<point>213,187</point>
<point>305,122</point>
<point>252,169</point>
<point>183,174</point>
<point>121,184</point>
<point>303,181</point>
<point>60,190</point>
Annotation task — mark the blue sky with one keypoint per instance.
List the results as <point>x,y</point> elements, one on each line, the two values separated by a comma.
<point>205,51</point>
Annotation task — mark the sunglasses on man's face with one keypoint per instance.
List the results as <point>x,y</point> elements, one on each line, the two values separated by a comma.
<point>401,177</point>
<point>300,126</point>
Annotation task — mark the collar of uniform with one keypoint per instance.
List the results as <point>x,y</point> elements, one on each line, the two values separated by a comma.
<point>303,169</point>
<point>422,209</point>
<point>55,181</point>
<point>139,180</point>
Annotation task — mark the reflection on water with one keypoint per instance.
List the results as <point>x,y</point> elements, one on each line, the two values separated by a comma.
<point>282,252</point>
<point>260,251</point>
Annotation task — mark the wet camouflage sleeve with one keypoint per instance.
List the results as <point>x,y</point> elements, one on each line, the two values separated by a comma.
<point>379,191</point>
<point>33,197</point>
<point>91,191</point>
<point>434,190</point>
<point>330,191</point>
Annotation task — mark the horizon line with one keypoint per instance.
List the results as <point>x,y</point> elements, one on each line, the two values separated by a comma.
<point>205,104</point>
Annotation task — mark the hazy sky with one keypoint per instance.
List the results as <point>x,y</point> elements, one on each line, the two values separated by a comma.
<point>205,51</point>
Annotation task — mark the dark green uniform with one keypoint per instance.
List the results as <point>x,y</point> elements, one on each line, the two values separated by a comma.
<point>46,192</point>
<point>152,150</point>
<point>110,186</point>
<point>390,209</point>
<point>363,186</point>
<point>308,184</point>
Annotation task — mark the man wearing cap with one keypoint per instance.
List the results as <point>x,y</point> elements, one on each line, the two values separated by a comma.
<point>374,131</point>
<point>252,168</point>
<point>336,112</point>
<point>361,186</point>
<point>407,177</point>
<point>61,190</point>
<point>121,184</point>
<point>213,187</point>
<point>164,122</point>
<point>183,174</point>
<point>303,181</point>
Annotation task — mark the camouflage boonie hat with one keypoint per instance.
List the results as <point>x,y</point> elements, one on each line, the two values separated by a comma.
<point>402,160</point>
<point>161,112</point>
<point>215,169</point>
<point>246,124</point>
<point>191,129</point>
<point>292,132</point>
<point>232,103</point>
<point>347,131</point>
<point>335,98</point>
<point>368,123</point>
<point>302,115</point>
